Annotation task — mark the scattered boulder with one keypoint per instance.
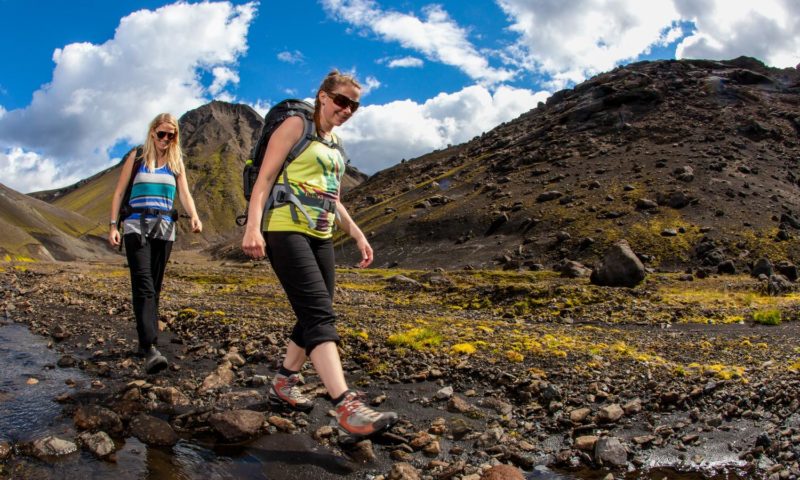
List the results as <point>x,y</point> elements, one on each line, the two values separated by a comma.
<point>620,267</point>
<point>503,472</point>
<point>51,446</point>
<point>153,431</point>
<point>762,267</point>
<point>99,444</point>
<point>778,285</point>
<point>93,417</point>
<point>236,424</point>
<point>610,451</point>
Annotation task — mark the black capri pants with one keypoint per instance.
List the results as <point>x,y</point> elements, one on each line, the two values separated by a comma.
<point>305,267</point>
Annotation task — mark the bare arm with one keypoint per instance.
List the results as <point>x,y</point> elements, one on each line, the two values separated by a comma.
<point>281,142</point>
<point>187,201</point>
<point>346,223</point>
<point>116,199</point>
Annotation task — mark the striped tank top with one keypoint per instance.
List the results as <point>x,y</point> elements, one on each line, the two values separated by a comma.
<point>156,190</point>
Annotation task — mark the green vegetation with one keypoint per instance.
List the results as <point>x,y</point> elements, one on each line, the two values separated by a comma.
<point>415,338</point>
<point>767,317</point>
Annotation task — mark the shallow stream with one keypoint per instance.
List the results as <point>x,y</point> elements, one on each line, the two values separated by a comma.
<point>30,381</point>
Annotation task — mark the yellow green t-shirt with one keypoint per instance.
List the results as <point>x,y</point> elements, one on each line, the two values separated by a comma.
<point>315,173</point>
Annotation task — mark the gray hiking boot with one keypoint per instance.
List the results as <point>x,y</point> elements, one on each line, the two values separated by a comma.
<point>154,362</point>
<point>357,420</point>
<point>283,393</point>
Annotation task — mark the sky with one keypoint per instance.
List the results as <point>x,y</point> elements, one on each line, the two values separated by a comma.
<point>81,79</point>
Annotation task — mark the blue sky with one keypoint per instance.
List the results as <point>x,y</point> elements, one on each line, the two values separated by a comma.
<point>76,93</point>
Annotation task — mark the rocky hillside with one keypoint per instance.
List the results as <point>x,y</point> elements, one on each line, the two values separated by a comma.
<point>693,162</point>
<point>217,139</point>
<point>31,229</point>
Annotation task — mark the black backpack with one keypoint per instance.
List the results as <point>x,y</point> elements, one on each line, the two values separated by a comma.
<point>281,193</point>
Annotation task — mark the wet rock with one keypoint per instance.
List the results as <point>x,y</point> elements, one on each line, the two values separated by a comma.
<point>403,471</point>
<point>67,361</point>
<point>632,407</point>
<point>610,413</point>
<point>503,472</point>
<point>620,267</point>
<point>99,444</point>
<point>610,451</point>
<point>362,452</point>
<point>499,406</point>
<point>93,417</point>
<point>282,424</point>
<point>59,332</point>
<point>153,431</point>
<point>444,393</point>
<point>579,414</point>
<point>51,446</point>
<point>456,404</point>
<point>171,396</point>
<point>221,377</point>
<point>236,424</point>
<point>5,451</point>
<point>586,443</point>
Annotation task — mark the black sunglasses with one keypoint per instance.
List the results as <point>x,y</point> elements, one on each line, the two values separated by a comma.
<point>343,101</point>
<point>162,134</point>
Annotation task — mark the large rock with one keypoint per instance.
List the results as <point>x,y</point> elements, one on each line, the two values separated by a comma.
<point>93,417</point>
<point>620,268</point>
<point>51,446</point>
<point>100,444</point>
<point>610,451</point>
<point>153,431</point>
<point>503,472</point>
<point>236,424</point>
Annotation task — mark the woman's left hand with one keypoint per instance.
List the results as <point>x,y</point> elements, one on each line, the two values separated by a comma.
<point>197,225</point>
<point>366,252</point>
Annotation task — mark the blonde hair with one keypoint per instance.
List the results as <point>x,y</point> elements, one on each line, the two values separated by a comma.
<point>174,155</point>
<point>331,81</point>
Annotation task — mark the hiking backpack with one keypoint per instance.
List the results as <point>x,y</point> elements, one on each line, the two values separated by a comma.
<point>281,193</point>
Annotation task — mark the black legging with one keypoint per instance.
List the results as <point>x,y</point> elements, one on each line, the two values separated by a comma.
<point>147,264</point>
<point>305,267</point>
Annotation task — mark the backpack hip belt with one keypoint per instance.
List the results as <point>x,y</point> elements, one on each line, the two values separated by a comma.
<point>283,195</point>
<point>153,212</point>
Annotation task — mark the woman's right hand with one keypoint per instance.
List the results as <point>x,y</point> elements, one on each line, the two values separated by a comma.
<point>253,244</point>
<point>113,237</point>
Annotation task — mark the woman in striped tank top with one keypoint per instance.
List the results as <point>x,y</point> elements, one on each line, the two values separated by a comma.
<point>302,255</point>
<point>150,227</point>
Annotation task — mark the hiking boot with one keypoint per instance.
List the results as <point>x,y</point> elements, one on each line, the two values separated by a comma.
<point>357,420</point>
<point>154,362</point>
<point>283,393</point>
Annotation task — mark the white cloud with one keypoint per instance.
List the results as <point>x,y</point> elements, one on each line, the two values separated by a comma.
<point>222,77</point>
<point>369,84</point>
<point>589,37</point>
<point>103,94</point>
<point>768,30</point>
<point>379,136</point>
<point>291,57</point>
<point>29,172</point>
<point>405,62</point>
<point>437,36</point>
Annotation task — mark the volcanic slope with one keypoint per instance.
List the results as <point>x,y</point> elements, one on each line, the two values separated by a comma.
<point>31,229</point>
<point>670,155</point>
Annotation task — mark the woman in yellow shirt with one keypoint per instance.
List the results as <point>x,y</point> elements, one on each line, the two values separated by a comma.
<point>300,249</point>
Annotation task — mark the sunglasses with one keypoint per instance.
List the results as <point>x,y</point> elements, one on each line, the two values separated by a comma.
<point>343,102</point>
<point>169,135</point>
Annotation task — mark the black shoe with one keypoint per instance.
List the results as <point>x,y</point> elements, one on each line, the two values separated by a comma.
<point>154,362</point>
